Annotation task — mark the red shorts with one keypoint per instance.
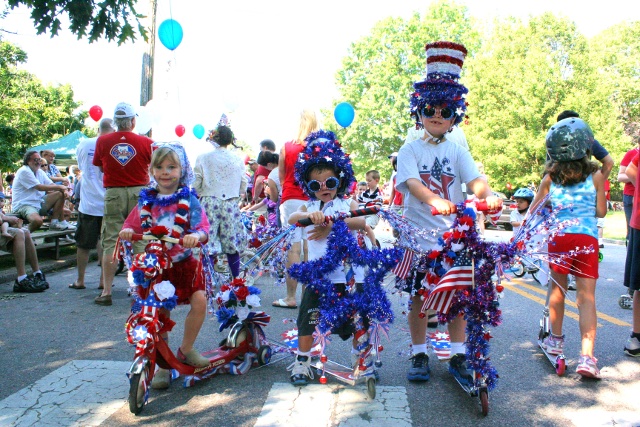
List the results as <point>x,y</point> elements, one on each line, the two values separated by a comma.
<point>187,277</point>
<point>580,265</point>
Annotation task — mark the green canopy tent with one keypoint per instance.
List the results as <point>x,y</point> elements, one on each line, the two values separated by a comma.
<point>65,148</point>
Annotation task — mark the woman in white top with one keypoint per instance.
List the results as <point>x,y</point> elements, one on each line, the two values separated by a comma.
<point>220,182</point>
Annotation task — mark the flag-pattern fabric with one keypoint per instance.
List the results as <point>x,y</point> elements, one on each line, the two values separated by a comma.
<point>458,277</point>
<point>404,266</point>
<point>441,344</point>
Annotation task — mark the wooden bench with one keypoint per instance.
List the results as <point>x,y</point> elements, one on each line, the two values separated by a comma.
<point>40,239</point>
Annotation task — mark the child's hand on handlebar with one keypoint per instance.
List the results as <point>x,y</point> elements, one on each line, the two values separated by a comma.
<point>191,240</point>
<point>126,234</point>
<point>443,206</point>
<point>316,217</point>
<point>493,203</point>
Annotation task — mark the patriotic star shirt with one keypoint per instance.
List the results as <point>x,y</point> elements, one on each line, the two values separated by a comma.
<point>442,168</point>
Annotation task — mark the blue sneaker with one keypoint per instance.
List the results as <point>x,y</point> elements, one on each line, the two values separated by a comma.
<point>301,372</point>
<point>458,368</point>
<point>419,370</point>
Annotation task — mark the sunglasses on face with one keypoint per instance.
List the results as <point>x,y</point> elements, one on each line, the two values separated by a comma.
<point>329,183</point>
<point>445,112</point>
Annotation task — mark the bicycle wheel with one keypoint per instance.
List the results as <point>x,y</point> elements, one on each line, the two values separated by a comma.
<point>518,269</point>
<point>138,386</point>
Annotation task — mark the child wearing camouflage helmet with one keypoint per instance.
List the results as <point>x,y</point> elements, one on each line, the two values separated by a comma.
<point>575,185</point>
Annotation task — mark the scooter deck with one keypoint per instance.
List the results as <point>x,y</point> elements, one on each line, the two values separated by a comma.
<point>555,359</point>
<point>341,372</point>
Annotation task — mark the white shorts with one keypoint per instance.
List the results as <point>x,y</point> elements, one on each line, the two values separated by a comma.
<point>286,209</point>
<point>600,223</point>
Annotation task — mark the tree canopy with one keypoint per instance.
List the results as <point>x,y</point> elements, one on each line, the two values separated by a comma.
<point>30,113</point>
<point>114,20</point>
<point>520,75</point>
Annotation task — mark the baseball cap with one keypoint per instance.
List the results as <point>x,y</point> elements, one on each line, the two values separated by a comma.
<point>124,110</point>
<point>394,154</point>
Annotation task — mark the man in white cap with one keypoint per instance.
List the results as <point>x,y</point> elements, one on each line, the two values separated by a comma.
<point>124,158</point>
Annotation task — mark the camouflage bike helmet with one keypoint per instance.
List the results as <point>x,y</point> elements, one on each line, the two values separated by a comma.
<point>569,140</point>
<point>524,193</point>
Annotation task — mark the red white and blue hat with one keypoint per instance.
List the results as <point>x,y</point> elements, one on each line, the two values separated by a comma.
<point>441,87</point>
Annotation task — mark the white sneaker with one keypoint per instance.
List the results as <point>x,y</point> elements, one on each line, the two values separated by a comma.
<point>61,225</point>
<point>632,348</point>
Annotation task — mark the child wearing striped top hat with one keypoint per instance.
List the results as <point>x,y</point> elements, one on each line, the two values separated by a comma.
<point>431,169</point>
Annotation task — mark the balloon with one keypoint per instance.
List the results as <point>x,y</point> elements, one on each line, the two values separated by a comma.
<point>198,131</point>
<point>143,121</point>
<point>95,112</point>
<point>180,130</point>
<point>344,114</point>
<point>170,34</point>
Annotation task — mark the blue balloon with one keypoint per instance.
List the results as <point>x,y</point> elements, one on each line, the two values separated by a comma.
<point>170,34</point>
<point>344,114</point>
<point>198,131</point>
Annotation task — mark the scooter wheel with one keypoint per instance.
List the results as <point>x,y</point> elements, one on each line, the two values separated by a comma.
<point>561,366</point>
<point>625,302</point>
<point>600,256</point>
<point>371,388</point>
<point>138,386</point>
<point>518,269</point>
<point>484,401</point>
<point>264,355</point>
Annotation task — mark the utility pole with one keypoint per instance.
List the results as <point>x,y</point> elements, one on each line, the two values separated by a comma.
<point>146,88</point>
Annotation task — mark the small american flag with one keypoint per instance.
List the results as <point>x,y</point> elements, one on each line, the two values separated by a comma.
<point>404,266</point>
<point>458,277</point>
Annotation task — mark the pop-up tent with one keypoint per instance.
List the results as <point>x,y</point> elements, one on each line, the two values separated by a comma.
<point>65,147</point>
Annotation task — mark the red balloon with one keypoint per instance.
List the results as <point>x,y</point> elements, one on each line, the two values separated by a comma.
<point>180,130</point>
<point>95,112</point>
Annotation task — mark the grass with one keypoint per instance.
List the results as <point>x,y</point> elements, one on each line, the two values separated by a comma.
<point>615,226</point>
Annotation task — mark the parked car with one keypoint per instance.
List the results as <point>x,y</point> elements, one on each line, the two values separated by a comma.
<point>507,206</point>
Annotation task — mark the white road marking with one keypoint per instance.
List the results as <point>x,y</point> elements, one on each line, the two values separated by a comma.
<point>81,393</point>
<point>334,405</point>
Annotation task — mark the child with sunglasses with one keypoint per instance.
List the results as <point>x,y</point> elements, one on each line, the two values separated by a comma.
<point>325,173</point>
<point>431,169</point>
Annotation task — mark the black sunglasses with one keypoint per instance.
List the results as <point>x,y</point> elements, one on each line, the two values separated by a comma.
<point>429,111</point>
<point>330,183</point>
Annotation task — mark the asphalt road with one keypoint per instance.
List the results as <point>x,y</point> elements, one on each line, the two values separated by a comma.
<point>43,332</point>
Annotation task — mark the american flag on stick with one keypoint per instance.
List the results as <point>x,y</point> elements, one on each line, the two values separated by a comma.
<point>458,277</point>
<point>404,266</point>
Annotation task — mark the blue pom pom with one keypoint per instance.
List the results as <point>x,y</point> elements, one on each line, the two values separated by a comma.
<point>469,212</point>
<point>254,291</point>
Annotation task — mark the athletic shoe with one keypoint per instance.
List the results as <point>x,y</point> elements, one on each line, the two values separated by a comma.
<point>419,370</point>
<point>553,344</point>
<point>41,280</point>
<point>571,283</point>
<point>62,225</point>
<point>301,372</point>
<point>459,368</point>
<point>27,285</point>
<point>633,347</point>
<point>587,367</point>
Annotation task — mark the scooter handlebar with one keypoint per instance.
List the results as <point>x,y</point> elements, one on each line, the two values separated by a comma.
<point>351,214</point>
<point>136,236</point>
<point>481,206</point>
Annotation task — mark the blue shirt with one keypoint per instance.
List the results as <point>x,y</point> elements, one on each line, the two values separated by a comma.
<point>578,201</point>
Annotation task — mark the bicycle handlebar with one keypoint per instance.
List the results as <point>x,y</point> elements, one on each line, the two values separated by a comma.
<point>351,214</point>
<point>137,236</point>
<point>481,206</point>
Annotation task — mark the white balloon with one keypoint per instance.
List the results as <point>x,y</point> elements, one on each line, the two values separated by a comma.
<point>143,120</point>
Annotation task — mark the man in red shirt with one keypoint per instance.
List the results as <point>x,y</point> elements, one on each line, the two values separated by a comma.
<point>124,158</point>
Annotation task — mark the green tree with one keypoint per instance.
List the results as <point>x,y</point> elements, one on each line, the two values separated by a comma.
<point>377,77</point>
<point>524,75</point>
<point>31,113</point>
<point>110,19</point>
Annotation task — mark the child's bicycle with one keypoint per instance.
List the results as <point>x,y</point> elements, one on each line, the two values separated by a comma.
<point>523,266</point>
<point>244,346</point>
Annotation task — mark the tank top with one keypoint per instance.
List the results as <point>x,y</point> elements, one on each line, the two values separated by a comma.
<point>582,197</point>
<point>290,190</point>
<point>317,248</point>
